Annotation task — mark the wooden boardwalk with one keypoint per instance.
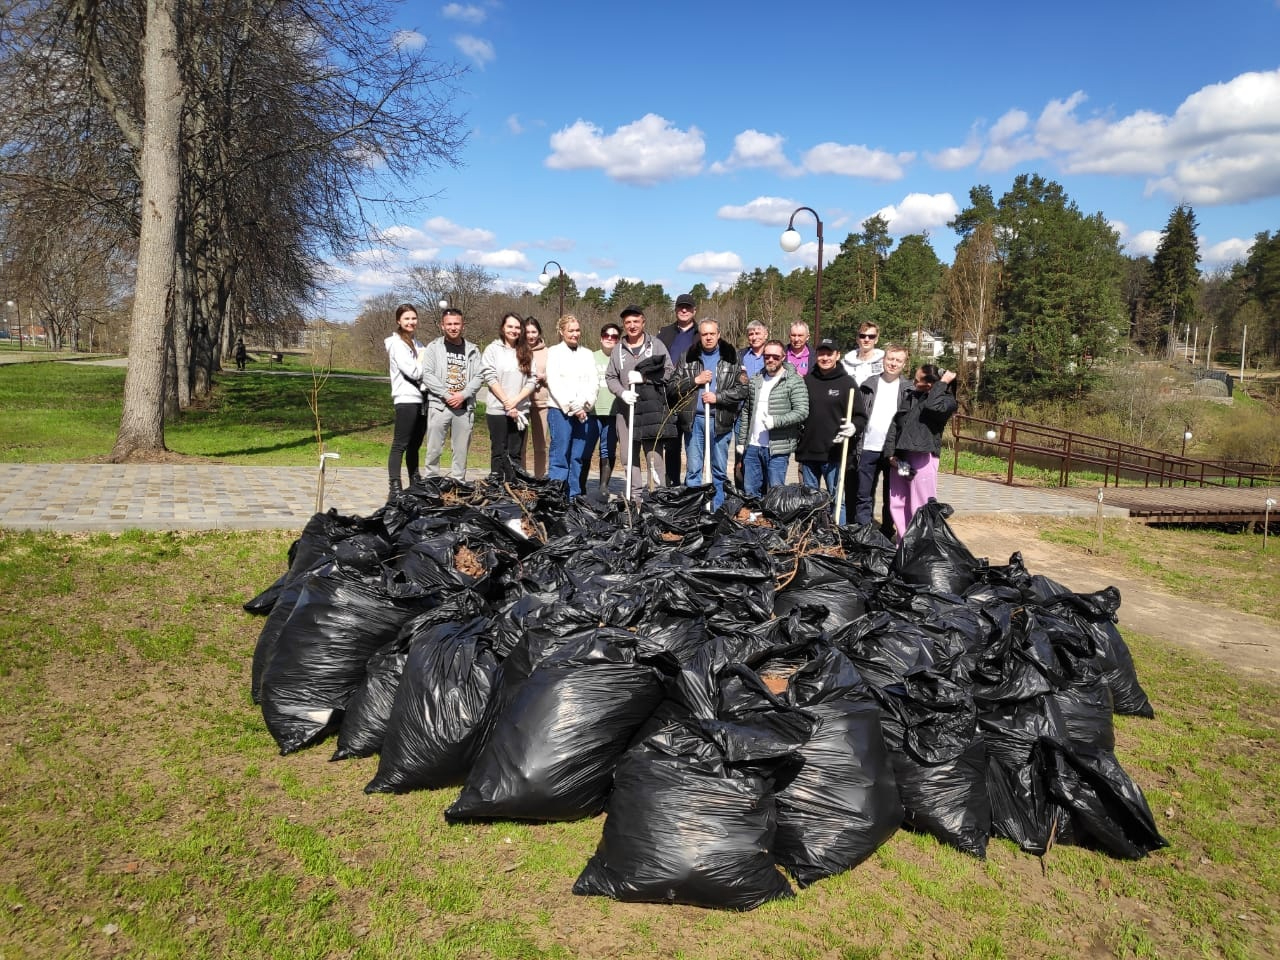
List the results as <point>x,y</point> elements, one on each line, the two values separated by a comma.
<point>1187,504</point>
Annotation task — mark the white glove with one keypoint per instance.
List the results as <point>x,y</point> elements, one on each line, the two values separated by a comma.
<point>846,430</point>
<point>741,450</point>
<point>521,420</point>
<point>767,420</point>
<point>635,377</point>
<point>629,397</point>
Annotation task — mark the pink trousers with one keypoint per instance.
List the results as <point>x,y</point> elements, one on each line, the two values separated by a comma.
<point>906,496</point>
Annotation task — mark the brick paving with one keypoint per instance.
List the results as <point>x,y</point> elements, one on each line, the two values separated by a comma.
<point>93,497</point>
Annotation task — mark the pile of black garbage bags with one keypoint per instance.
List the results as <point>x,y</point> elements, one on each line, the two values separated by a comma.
<point>738,691</point>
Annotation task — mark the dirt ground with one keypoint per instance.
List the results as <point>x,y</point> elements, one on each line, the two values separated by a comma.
<point>1239,640</point>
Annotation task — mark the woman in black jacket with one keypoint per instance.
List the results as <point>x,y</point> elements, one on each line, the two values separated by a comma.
<point>915,440</point>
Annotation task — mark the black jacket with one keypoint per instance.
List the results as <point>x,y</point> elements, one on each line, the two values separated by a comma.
<point>829,395</point>
<point>730,387</point>
<point>918,428</point>
<point>864,400</point>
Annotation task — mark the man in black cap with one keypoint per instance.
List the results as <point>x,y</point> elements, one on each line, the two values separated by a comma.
<point>679,338</point>
<point>829,430</point>
<point>645,356</point>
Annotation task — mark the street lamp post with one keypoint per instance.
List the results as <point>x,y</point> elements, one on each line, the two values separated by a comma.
<point>544,278</point>
<point>790,242</point>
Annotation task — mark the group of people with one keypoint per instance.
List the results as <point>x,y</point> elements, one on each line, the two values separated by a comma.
<point>853,423</point>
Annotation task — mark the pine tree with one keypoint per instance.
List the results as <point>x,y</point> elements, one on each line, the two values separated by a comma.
<point>1170,296</point>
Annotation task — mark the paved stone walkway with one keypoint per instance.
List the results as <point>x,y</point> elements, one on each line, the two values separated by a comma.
<point>94,497</point>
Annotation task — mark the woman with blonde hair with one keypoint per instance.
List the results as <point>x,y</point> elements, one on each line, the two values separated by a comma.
<point>572,386</point>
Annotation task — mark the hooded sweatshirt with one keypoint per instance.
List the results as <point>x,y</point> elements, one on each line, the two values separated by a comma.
<point>829,393</point>
<point>406,369</point>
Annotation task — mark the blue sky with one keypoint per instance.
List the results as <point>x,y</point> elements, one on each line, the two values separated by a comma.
<point>669,142</point>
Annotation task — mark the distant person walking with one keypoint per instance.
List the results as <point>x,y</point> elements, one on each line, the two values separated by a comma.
<point>405,355</point>
<point>242,355</point>
<point>451,376</point>
<point>507,370</point>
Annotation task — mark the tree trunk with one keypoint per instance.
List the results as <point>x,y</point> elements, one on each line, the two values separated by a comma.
<point>142,420</point>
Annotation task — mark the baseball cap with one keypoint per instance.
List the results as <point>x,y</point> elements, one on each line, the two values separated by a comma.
<point>631,310</point>
<point>684,300</point>
<point>826,343</point>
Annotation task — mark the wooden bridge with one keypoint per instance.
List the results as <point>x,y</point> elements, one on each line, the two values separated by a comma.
<point>1153,486</point>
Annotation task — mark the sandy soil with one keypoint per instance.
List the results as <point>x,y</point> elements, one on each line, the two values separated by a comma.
<point>1242,641</point>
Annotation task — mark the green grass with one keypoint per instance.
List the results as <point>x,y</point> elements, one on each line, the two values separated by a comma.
<point>147,812</point>
<point>57,413</point>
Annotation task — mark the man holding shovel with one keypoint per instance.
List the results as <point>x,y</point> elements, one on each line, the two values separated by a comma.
<point>828,433</point>
<point>711,392</point>
<point>638,374</point>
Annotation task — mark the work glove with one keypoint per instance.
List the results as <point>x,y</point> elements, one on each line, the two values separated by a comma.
<point>522,421</point>
<point>629,397</point>
<point>741,451</point>
<point>767,420</point>
<point>635,377</point>
<point>846,431</point>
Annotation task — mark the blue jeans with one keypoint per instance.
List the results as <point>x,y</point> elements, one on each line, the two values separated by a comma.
<point>814,473</point>
<point>763,471</point>
<point>695,453</point>
<point>571,438</point>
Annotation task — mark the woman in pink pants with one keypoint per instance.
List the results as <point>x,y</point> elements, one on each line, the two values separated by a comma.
<point>915,440</point>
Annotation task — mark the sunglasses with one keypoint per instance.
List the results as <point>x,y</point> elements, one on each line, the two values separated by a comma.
<point>868,336</point>
<point>608,336</point>
<point>773,356</point>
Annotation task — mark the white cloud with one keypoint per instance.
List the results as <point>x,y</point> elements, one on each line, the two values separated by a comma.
<point>481,51</point>
<point>499,259</point>
<point>1143,244</point>
<point>1221,145</point>
<point>1010,143</point>
<point>422,254</point>
<point>1226,252</point>
<point>855,160</point>
<point>467,13</point>
<point>806,255</point>
<point>556,244</point>
<point>513,124</point>
<point>956,158</point>
<point>376,279</point>
<point>710,261</point>
<point>642,153</point>
<point>919,212</point>
<point>610,282</point>
<point>753,149</point>
<point>450,234</point>
<point>402,236</point>
<point>408,40</point>
<point>770,211</point>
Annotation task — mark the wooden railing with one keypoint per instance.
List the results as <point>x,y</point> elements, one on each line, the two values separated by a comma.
<point>1038,445</point>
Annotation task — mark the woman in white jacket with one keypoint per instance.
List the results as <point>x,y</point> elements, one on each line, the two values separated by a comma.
<point>506,366</point>
<point>405,355</point>
<point>572,386</point>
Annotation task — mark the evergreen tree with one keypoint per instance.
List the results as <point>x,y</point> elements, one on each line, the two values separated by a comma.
<point>1172,286</point>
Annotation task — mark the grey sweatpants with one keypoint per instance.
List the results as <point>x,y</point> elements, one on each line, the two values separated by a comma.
<point>457,424</point>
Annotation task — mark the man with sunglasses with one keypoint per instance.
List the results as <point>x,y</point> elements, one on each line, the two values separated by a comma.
<point>679,338</point>
<point>769,425</point>
<point>866,360</point>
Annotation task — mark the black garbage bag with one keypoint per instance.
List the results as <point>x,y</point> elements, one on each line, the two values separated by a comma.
<point>552,750</point>
<point>686,825</point>
<point>1096,612</point>
<point>824,581</point>
<point>679,509</point>
<point>1022,807</point>
<point>356,542</point>
<point>1107,809</point>
<point>843,802</point>
<point>931,553</point>
<point>1086,711</point>
<point>869,548</point>
<point>364,722</point>
<point>939,760</point>
<point>885,648</point>
<point>269,635</point>
<point>442,708</point>
<point>794,502</point>
<point>319,663</point>
<point>1018,663</point>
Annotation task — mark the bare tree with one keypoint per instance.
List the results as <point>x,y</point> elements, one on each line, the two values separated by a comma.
<point>973,284</point>
<point>463,285</point>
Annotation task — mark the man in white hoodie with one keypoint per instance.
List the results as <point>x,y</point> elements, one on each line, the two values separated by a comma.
<point>866,359</point>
